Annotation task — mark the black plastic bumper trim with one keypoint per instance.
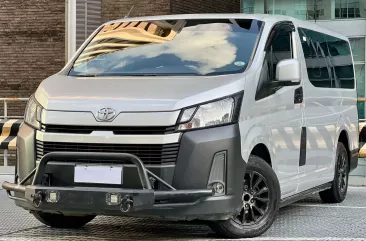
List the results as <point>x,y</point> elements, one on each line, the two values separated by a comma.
<point>56,156</point>
<point>94,199</point>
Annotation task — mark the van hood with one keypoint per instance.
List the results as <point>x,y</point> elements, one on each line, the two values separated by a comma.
<point>133,94</point>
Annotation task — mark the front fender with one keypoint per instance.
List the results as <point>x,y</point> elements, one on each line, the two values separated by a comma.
<point>257,134</point>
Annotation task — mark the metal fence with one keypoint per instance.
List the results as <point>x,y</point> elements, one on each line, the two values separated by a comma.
<point>5,103</point>
<point>6,117</point>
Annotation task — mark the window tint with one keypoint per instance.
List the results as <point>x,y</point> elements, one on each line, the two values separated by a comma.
<point>279,48</point>
<point>342,62</point>
<point>315,53</point>
<point>328,60</point>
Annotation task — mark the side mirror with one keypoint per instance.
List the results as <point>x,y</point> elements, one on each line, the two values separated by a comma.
<point>288,70</point>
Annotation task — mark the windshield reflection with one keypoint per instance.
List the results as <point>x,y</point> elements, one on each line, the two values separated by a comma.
<point>173,47</point>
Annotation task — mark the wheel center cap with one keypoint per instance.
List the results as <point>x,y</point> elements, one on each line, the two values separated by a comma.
<point>247,198</point>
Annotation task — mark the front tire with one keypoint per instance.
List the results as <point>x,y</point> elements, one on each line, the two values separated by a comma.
<point>338,191</point>
<point>260,203</point>
<point>61,221</point>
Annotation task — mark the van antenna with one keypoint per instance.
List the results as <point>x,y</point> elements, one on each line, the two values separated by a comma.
<point>129,12</point>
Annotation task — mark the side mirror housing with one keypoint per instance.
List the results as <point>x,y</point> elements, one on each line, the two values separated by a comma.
<point>288,70</point>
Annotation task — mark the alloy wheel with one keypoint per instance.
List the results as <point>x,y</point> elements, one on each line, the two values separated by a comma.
<point>255,199</point>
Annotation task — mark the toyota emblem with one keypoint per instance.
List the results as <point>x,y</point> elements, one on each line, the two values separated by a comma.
<point>106,114</point>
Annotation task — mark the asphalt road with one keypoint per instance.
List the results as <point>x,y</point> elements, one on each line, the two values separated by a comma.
<point>305,220</point>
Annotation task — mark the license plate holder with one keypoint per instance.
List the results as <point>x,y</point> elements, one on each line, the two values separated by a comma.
<point>98,174</point>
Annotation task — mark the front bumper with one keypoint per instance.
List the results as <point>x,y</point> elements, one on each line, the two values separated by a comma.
<point>189,175</point>
<point>97,200</point>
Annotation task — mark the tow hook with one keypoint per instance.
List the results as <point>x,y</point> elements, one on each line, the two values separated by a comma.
<point>126,204</point>
<point>37,199</point>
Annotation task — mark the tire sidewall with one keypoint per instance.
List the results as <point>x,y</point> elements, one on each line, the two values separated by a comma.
<point>256,164</point>
<point>230,228</point>
<point>340,150</point>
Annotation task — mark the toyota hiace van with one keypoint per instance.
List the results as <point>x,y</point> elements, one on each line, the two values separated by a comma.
<point>218,117</point>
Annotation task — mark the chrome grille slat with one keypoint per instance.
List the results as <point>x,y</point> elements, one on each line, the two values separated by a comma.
<point>117,130</point>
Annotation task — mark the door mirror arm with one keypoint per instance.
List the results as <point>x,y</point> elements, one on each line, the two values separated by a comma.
<point>275,86</point>
<point>280,84</point>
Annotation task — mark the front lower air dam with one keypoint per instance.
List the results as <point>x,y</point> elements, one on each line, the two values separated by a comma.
<point>217,177</point>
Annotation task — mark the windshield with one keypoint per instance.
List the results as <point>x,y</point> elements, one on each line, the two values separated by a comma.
<point>170,47</point>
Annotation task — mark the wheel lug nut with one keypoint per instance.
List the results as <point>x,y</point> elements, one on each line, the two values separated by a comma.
<point>252,201</point>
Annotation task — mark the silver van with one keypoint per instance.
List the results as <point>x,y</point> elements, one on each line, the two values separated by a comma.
<point>218,117</point>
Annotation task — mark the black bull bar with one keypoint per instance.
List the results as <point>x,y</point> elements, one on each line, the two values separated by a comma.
<point>99,199</point>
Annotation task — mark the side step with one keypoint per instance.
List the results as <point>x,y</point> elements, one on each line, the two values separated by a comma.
<point>299,196</point>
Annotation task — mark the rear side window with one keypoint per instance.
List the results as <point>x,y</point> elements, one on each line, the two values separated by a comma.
<point>328,60</point>
<point>342,62</point>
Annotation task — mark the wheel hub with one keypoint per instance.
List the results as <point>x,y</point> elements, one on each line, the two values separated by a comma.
<point>247,199</point>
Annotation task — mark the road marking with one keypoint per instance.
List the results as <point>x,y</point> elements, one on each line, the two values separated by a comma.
<point>326,206</point>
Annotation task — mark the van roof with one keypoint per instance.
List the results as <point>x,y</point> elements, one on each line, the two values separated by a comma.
<point>268,18</point>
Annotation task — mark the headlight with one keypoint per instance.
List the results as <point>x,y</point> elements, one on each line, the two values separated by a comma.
<point>219,112</point>
<point>33,113</point>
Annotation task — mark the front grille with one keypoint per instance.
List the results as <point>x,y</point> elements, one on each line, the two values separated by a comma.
<point>149,154</point>
<point>117,130</point>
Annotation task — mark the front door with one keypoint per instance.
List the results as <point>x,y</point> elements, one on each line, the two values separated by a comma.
<point>286,110</point>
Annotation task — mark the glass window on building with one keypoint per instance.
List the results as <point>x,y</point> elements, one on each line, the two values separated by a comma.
<point>360,77</point>
<point>358,49</point>
<point>348,8</point>
<point>308,9</point>
<point>248,6</point>
<point>302,9</point>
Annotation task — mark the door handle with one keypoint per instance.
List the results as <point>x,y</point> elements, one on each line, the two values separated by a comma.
<point>298,96</point>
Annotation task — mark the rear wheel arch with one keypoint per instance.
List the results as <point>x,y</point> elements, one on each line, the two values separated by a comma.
<point>343,138</point>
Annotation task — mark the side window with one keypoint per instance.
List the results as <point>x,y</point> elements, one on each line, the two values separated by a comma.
<point>316,57</point>
<point>328,60</point>
<point>279,48</point>
<point>342,61</point>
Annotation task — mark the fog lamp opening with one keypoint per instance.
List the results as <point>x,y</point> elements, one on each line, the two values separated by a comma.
<point>219,188</point>
<point>217,178</point>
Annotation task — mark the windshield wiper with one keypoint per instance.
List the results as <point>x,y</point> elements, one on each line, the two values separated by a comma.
<point>162,74</point>
<point>86,75</point>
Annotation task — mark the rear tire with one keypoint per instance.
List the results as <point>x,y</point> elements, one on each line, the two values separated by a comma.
<point>338,192</point>
<point>260,203</point>
<point>61,221</point>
